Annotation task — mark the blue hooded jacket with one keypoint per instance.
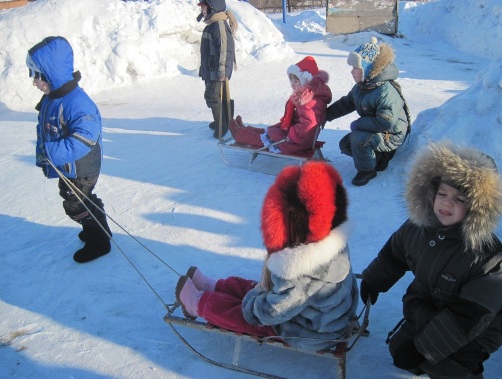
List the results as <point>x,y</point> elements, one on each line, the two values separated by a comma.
<point>69,123</point>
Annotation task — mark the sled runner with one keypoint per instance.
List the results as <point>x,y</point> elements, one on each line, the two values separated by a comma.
<point>262,159</point>
<point>338,352</point>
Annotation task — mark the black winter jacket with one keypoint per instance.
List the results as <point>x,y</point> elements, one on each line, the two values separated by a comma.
<point>454,302</point>
<point>451,301</point>
<point>217,48</point>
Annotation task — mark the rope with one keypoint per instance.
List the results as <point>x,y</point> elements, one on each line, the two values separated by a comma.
<point>79,194</point>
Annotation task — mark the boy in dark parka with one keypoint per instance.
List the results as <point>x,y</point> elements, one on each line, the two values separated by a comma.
<point>217,52</point>
<point>383,123</point>
<point>452,308</point>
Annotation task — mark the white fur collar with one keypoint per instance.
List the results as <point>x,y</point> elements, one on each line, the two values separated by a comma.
<point>293,262</point>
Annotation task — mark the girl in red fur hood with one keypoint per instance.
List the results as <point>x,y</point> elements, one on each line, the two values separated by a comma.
<point>304,112</point>
<point>307,294</point>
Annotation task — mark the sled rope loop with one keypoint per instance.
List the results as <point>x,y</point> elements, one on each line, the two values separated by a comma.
<point>81,197</point>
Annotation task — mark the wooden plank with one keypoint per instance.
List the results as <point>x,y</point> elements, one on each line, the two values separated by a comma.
<point>344,17</point>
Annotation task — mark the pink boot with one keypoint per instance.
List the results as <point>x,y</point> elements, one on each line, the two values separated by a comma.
<point>201,282</point>
<point>188,296</point>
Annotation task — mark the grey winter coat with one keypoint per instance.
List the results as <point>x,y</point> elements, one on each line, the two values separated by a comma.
<point>380,108</point>
<point>217,48</point>
<point>453,305</point>
<point>314,294</point>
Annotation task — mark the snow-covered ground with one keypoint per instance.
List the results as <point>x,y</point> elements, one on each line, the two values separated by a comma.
<point>164,181</point>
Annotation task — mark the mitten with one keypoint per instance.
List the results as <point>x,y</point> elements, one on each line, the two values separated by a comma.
<point>353,126</point>
<point>407,356</point>
<point>367,291</point>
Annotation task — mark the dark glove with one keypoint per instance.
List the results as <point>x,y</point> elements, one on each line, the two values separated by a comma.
<point>367,291</point>
<point>353,126</point>
<point>41,160</point>
<point>407,356</point>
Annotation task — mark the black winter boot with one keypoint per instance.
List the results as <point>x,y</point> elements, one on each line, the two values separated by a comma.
<point>383,159</point>
<point>215,110</point>
<point>97,244</point>
<point>225,120</point>
<point>82,236</point>
<point>363,177</point>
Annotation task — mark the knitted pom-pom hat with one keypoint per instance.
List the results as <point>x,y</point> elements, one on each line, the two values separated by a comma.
<point>302,206</point>
<point>304,70</point>
<point>364,56</point>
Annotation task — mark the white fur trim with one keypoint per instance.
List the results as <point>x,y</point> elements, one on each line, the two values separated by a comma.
<point>304,76</point>
<point>354,60</point>
<point>300,260</point>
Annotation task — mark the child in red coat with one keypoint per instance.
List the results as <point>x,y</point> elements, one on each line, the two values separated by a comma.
<point>304,112</point>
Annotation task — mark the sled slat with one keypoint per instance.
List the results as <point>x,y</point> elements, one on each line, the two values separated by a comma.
<point>261,159</point>
<point>246,157</point>
<point>338,352</point>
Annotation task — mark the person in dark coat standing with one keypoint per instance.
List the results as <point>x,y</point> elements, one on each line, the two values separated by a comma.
<point>69,141</point>
<point>453,306</point>
<point>308,293</point>
<point>217,53</point>
<point>383,120</point>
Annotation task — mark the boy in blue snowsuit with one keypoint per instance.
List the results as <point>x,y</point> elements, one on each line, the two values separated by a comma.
<point>69,141</point>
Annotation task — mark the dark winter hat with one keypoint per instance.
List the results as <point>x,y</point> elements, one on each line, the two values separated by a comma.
<point>304,70</point>
<point>302,206</point>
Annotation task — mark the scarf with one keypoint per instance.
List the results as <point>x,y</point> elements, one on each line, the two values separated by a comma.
<point>288,115</point>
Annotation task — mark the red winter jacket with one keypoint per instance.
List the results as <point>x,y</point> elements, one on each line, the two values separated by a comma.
<point>311,102</point>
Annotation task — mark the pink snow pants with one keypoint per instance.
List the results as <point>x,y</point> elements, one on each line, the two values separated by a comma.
<point>223,307</point>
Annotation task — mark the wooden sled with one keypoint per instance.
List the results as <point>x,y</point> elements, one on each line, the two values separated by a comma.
<point>339,352</point>
<point>262,159</point>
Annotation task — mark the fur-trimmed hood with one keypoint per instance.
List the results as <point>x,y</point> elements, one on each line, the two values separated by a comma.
<point>470,170</point>
<point>375,60</point>
<point>381,61</point>
<point>305,259</point>
<point>317,87</point>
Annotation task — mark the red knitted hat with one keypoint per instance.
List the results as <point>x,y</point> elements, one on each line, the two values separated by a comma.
<point>304,70</point>
<point>303,205</point>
